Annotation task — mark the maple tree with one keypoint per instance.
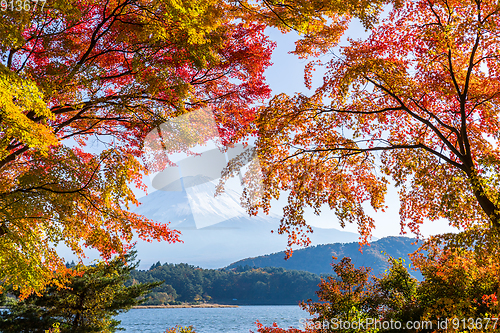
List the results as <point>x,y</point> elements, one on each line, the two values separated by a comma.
<point>340,293</point>
<point>415,104</point>
<point>461,276</point>
<point>79,73</point>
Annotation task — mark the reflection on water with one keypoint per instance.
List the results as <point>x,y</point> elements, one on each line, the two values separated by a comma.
<point>211,320</point>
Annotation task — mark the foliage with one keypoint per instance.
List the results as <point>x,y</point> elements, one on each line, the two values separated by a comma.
<point>53,329</point>
<point>275,329</point>
<point>340,294</point>
<point>395,295</point>
<point>81,76</point>
<point>461,280</point>
<point>462,275</point>
<point>86,303</point>
<point>414,104</point>
<point>181,329</point>
<point>242,285</point>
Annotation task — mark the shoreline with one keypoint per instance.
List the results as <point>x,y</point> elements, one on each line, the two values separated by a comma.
<point>184,306</point>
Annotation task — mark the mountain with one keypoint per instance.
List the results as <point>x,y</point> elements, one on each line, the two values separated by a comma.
<point>318,259</point>
<point>216,230</point>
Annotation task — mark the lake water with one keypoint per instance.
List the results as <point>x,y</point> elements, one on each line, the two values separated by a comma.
<point>212,320</point>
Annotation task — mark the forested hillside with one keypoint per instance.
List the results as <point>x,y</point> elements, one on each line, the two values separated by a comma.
<point>243,285</point>
<point>318,259</point>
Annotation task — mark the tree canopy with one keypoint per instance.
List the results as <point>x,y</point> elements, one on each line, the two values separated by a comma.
<point>242,285</point>
<point>78,73</point>
<point>415,105</point>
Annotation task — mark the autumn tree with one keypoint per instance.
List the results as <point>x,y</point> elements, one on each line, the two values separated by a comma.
<point>395,295</point>
<point>461,276</point>
<point>75,74</point>
<point>340,293</point>
<point>414,104</point>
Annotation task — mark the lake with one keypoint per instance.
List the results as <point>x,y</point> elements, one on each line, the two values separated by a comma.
<point>211,320</point>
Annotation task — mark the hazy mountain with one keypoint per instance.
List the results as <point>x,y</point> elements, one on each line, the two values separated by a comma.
<point>318,259</point>
<point>216,230</point>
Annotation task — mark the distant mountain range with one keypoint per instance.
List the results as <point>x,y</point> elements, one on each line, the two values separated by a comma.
<point>216,230</point>
<point>318,259</point>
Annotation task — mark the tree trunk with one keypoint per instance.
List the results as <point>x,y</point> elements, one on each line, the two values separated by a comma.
<point>492,211</point>
<point>3,229</point>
